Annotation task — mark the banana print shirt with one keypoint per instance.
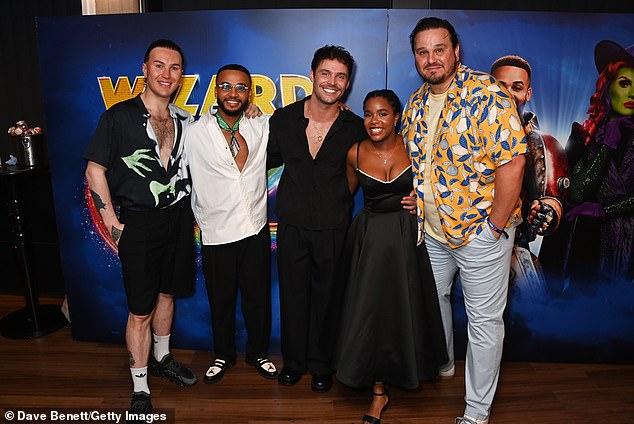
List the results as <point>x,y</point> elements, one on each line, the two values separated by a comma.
<point>125,144</point>
<point>478,131</point>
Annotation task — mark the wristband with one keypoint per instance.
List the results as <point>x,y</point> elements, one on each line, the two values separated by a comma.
<point>496,229</point>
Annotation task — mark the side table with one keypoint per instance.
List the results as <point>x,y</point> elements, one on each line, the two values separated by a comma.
<point>34,320</point>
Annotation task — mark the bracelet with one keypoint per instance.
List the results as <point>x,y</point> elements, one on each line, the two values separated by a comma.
<point>496,229</point>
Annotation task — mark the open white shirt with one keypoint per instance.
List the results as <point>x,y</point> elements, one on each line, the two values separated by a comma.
<point>229,205</point>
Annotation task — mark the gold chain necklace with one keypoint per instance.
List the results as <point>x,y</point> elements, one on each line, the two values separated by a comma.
<point>320,128</point>
<point>383,158</point>
<point>320,131</point>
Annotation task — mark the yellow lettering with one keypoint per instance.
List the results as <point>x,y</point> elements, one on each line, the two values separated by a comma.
<point>292,88</point>
<point>210,96</point>
<point>187,84</point>
<point>290,85</point>
<point>121,90</point>
<point>264,91</point>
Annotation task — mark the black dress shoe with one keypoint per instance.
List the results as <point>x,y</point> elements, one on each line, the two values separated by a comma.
<point>321,382</point>
<point>217,370</point>
<point>289,376</point>
<point>266,367</point>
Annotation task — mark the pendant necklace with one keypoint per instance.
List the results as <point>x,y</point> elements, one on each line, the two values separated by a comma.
<point>319,138</point>
<point>321,128</point>
<point>383,158</point>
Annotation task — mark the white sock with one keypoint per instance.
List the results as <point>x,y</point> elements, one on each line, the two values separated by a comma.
<point>161,346</point>
<point>139,378</point>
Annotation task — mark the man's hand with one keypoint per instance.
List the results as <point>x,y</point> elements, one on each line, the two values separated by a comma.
<point>100,193</point>
<point>343,106</point>
<point>252,111</point>
<point>544,216</point>
<point>115,233</point>
<point>409,202</point>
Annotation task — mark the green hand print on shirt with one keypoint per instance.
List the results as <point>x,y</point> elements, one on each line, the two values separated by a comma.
<point>134,161</point>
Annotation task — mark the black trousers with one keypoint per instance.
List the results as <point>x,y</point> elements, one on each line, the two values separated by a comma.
<point>242,265</point>
<point>308,265</point>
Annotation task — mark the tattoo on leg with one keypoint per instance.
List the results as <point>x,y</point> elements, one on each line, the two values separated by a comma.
<point>116,234</point>
<point>97,199</point>
<point>131,359</point>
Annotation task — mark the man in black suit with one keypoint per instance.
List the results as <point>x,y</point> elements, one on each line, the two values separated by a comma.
<point>311,138</point>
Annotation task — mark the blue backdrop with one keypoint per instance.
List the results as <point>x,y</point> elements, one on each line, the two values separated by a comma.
<point>88,63</point>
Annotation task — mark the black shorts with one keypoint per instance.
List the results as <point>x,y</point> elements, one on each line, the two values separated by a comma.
<point>157,254</point>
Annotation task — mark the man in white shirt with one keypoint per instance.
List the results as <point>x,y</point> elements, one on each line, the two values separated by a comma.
<point>227,159</point>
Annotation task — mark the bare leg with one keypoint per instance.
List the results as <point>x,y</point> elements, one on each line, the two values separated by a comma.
<point>379,401</point>
<point>163,314</point>
<point>162,326</point>
<point>138,338</point>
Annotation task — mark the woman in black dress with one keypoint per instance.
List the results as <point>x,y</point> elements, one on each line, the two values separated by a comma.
<point>391,331</point>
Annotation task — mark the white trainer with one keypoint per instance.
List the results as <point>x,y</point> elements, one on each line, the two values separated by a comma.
<point>468,420</point>
<point>447,373</point>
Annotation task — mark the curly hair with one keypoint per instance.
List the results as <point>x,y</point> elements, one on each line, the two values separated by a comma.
<point>600,106</point>
<point>333,53</point>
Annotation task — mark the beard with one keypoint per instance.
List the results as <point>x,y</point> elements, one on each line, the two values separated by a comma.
<point>230,112</point>
<point>439,78</point>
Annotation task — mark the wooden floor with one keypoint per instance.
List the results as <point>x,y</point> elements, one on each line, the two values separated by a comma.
<point>55,372</point>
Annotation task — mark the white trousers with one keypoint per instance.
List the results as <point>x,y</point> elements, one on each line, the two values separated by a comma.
<point>483,266</point>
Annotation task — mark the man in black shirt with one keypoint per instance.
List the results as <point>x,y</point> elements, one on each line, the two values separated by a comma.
<point>311,138</point>
<point>135,161</point>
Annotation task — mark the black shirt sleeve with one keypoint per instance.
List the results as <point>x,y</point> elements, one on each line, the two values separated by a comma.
<point>273,154</point>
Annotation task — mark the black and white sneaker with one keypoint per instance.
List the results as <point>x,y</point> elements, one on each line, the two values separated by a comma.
<point>140,408</point>
<point>266,367</point>
<point>217,370</point>
<point>172,370</point>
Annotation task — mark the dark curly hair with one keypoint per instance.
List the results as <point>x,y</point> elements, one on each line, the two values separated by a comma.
<point>333,52</point>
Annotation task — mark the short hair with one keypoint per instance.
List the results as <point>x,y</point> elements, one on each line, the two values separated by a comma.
<point>235,67</point>
<point>168,44</point>
<point>433,23</point>
<point>388,95</point>
<point>333,52</point>
<point>514,61</point>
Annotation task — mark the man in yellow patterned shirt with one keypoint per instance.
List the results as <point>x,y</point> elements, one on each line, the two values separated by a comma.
<point>467,147</point>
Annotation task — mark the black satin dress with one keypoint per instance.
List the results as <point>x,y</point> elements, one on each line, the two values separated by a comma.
<point>390,328</point>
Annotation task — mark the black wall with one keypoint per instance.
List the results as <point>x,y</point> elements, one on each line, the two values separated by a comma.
<point>22,100</point>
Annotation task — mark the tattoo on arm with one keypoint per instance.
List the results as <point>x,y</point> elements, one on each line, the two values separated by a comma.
<point>131,359</point>
<point>116,234</point>
<point>98,202</point>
